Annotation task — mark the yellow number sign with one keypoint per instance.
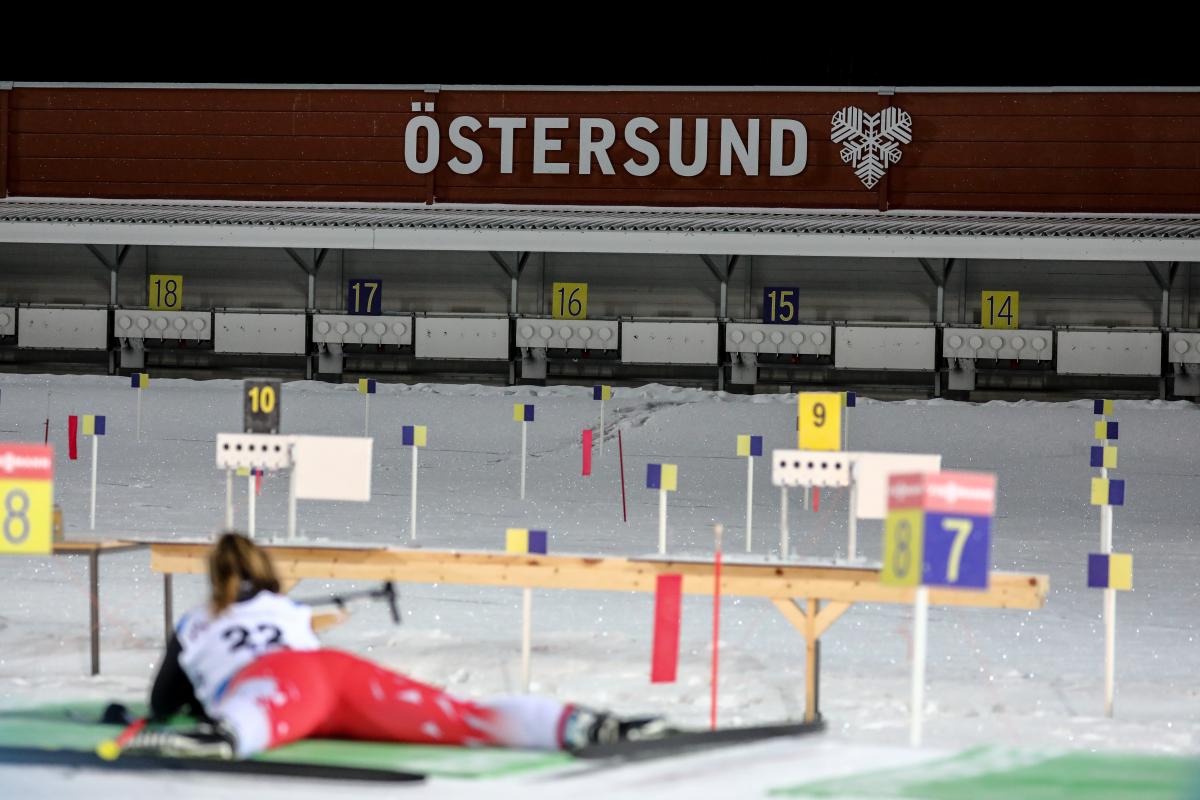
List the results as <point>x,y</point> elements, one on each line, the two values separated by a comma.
<point>903,539</point>
<point>820,421</point>
<point>26,498</point>
<point>166,292</point>
<point>570,301</point>
<point>1000,310</point>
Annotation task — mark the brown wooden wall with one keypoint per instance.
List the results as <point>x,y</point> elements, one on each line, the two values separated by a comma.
<point>1089,152</point>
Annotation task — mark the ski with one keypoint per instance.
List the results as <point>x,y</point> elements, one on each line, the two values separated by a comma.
<point>33,756</point>
<point>685,741</point>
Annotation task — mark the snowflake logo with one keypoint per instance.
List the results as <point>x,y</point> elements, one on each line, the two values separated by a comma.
<point>871,142</point>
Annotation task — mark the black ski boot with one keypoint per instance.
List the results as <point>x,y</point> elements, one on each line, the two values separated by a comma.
<point>203,741</point>
<point>586,727</point>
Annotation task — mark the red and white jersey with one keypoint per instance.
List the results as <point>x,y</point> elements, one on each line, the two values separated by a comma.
<point>214,650</point>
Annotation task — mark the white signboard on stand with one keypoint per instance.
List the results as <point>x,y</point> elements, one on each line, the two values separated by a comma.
<point>332,467</point>
<point>871,473</point>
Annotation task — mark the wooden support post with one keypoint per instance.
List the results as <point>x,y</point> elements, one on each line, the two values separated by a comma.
<point>811,624</point>
<point>812,664</point>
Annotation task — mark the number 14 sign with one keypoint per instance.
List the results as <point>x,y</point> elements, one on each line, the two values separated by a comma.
<point>938,530</point>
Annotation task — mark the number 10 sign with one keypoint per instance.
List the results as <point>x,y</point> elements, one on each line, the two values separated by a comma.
<point>938,530</point>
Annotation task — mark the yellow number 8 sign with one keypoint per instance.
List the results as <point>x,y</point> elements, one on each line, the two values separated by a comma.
<point>26,498</point>
<point>903,547</point>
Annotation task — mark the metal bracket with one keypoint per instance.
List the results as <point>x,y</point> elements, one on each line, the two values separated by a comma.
<point>938,276</point>
<point>113,264</point>
<point>1163,283</point>
<point>722,273</point>
<point>514,271</point>
<point>318,258</point>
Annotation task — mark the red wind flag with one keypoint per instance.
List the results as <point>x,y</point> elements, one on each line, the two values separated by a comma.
<point>72,437</point>
<point>668,605</point>
<point>587,451</point>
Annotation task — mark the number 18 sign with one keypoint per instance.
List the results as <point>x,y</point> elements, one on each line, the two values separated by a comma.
<point>26,498</point>
<point>938,530</point>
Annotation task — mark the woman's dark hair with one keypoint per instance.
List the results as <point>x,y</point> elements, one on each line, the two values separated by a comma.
<point>237,565</point>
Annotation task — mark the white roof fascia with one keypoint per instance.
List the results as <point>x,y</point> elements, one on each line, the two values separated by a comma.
<point>586,241</point>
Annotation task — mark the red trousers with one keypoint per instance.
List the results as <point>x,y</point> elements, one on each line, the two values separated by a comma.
<point>290,695</point>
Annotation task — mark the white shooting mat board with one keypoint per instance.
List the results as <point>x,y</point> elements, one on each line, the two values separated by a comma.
<point>871,473</point>
<point>63,328</point>
<point>332,467</point>
<point>730,559</point>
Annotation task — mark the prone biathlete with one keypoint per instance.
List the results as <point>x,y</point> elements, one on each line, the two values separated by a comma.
<point>249,664</point>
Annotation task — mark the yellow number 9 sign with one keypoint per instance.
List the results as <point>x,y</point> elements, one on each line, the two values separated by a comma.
<point>26,498</point>
<point>820,425</point>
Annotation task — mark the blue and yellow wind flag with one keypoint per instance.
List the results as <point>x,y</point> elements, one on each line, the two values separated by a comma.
<point>366,386</point>
<point>523,412</point>
<point>1106,430</point>
<point>139,380</point>
<point>1108,492</point>
<point>522,540</point>
<point>413,435</point>
<point>662,476</point>
<point>1105,457</point>
<point>748,445</point>
<point>93,425</point>
<point>602,392</point>
<point>1104,407</point>
<point>1110,571</point>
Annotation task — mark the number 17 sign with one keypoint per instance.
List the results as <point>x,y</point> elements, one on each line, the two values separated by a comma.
<point>938,530</point>
<point>364,296</point>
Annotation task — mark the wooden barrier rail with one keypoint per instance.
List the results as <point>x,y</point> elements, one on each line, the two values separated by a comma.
<point>811,597</point>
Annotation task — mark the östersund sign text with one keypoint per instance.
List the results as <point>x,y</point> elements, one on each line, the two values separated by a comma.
<point>688,148</point>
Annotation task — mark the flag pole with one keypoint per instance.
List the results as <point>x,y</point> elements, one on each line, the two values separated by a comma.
<point>716,640</point>
<point>749,499</point>
<point>95,459</point>
<point>783,522</point>
<point>412,515</point>
<point>526,635</point>
<point>228,499</point>
<point>524,444</point>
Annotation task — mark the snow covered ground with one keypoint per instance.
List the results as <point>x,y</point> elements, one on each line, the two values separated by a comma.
<point>1030,679</point>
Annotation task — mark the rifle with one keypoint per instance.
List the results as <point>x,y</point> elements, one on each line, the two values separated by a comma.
<point>385,592</point>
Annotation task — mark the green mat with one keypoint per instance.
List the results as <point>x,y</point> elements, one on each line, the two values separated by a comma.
<point>988,773</point>
<point>73,726</point>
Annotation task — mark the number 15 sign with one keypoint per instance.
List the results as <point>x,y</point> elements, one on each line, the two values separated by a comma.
<point>938,530</point>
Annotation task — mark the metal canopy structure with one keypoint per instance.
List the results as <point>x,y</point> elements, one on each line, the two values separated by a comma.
<point>1075,237</point>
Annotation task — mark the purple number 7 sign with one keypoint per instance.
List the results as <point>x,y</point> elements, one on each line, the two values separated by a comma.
<point>957,550</point>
